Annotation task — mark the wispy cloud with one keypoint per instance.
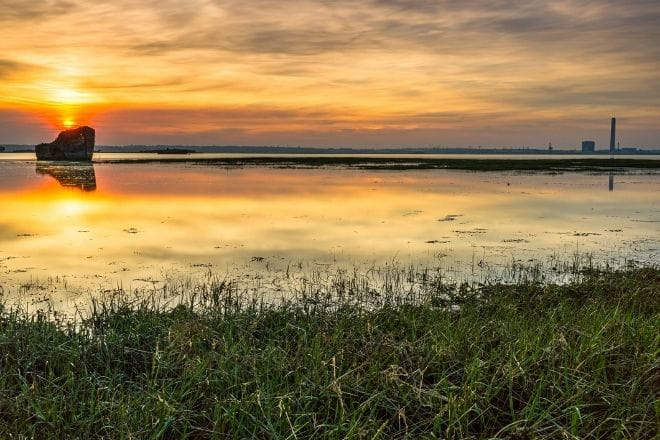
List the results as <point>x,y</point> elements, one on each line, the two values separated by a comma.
<point>298,66</point>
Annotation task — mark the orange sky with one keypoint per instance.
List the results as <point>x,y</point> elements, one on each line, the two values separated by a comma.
<point>331,73</point>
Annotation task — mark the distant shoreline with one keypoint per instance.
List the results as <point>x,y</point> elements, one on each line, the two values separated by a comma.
<point>193,149</point>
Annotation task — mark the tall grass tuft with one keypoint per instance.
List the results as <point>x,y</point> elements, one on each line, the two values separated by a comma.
<point>339,358</point>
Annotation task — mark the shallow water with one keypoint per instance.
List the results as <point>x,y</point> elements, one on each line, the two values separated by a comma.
<point>71,229</point>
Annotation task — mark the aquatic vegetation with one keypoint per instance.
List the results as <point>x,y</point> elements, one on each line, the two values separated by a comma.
<point>418,163</point>
<point>339,356</point>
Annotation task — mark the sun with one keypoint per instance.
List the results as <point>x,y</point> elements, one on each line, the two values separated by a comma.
<point>68,101</point>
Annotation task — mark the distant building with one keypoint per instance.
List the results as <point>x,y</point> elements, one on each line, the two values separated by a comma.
<point>588,146</point>
<point>612,134</point>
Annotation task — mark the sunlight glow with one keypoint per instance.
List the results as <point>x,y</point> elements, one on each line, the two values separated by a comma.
<point>68,106</point>
<point>70,207</point>
<point>69,96</point>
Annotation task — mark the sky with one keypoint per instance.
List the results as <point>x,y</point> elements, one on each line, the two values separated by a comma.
<point>370,73</point>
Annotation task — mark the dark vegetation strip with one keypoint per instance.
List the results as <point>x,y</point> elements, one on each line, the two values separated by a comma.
<point>515,361</point>
<point>416,163</point>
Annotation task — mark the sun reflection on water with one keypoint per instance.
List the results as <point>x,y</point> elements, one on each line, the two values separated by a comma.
<point>70,207</point>
<point>152,221</point>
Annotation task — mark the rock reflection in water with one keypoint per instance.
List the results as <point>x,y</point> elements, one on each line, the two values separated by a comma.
<point>70,174</point>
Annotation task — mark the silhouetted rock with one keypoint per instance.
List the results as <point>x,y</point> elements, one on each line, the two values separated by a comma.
<point>74,144</point>
<point>70,175</point>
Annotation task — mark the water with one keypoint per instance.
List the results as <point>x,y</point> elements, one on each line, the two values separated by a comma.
<point>66,231</point>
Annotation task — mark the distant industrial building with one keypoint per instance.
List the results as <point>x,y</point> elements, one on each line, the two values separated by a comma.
<point>588,146</point>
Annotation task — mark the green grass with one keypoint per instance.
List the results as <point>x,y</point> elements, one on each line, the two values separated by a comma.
<point>506,361</point>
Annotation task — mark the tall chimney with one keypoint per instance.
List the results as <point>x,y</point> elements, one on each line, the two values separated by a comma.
<point>612,135</point>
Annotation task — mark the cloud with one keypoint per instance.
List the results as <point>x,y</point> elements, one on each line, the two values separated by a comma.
<point>15,10</point>
<point>9,67</point>
<point>280,66</point>
<point>12,68</point>
<point>526,35</point>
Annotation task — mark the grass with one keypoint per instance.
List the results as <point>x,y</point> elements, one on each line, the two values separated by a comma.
<point>418,163</point>
<point>343,360</point>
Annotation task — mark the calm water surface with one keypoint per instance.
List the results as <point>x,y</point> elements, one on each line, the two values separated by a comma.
<point>71,229</point>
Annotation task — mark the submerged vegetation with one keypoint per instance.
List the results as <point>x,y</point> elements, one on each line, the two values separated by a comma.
<point>417,163</point>
<point>343,360</point>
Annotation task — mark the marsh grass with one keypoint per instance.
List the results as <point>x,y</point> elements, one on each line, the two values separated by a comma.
<point>589,164</point>
<point>338,357</point>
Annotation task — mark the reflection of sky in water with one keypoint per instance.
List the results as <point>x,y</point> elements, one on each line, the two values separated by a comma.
<point>154,220</point>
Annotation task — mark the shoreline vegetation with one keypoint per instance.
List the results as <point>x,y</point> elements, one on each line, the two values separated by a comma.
<point>342,359</point>
<point>417,163</point>
<point>617,163</point>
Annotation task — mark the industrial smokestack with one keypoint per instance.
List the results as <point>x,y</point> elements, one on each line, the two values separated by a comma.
<point>612,135</point>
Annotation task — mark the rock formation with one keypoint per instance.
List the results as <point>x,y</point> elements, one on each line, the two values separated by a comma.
<point>70,175</point>
<point>74,144</point>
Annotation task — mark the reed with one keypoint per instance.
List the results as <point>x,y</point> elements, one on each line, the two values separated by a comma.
<point>340,357</point>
